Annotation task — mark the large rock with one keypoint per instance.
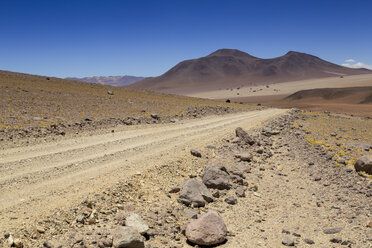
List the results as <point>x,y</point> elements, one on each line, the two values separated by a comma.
<point>364,164</point>
<point>209,229</point>
<point>216,177</point>
<point>195,193</point>
<point>244,136</point>
<point>127,237</point>
<point>136,221</point>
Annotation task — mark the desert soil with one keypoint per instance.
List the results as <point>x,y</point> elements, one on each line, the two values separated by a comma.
<point>286,88</point>
<point>59,173</point>
<point>297,187</point>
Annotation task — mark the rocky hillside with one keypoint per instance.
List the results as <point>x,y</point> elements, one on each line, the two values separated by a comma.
<point>229,68</point>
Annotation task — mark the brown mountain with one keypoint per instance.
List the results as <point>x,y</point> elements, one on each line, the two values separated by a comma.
<point>227,68</point>
<point>110,80</point>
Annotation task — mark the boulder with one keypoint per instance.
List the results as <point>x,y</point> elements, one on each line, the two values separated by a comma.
<point>195,193</point>
<point>127,237</point>
<point>216,177</point>
<point>364,164</point>
<point>136,221</point>
<point>244,136</point>
<point>209,229</point>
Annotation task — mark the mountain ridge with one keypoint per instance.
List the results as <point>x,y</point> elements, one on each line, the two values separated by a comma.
<point>228,68</point>
<point>109,80</point>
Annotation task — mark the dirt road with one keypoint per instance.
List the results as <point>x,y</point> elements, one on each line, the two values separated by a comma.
<point>36,179</point>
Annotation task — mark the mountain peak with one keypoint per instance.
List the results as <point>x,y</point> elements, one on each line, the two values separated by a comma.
<point>229,52</point>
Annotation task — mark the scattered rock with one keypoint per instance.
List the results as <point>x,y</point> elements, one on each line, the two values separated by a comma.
<point>364,164</point>
<point>134,220</point>
<point>195,193</point>
<point>110,92</point>
<point>216,177</point>
<point>127,237</point>
<point>155,116</point>
<point>231,200</point>
<point>244,136</point>
<point>244,156</point>
<point>288,241</point>
<point>209,229</point>
<point>309,241</point>
<point>332,230</point>
<point>240,191</point>
<point>174,190</point>
<point>195,153</point>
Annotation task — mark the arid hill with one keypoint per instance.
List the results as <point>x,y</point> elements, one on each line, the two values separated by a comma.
<point>354,95</point>
<point>228,68</point>
<point>110,80</point>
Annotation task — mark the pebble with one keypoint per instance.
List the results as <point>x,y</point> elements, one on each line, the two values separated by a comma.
<point>288,241</point>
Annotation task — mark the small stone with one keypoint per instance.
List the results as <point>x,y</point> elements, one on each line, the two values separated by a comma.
<point>231,200</point>
<point>332,230</point>
<point>17,243</point>
<point>240,191</point>
<point>296,234</point>
<point>174,190</point>
<point>335,240</point>
<point>6,235</point>
<point>244,156</point>
<point>46,244</point>
<point>288,241</point>
<point>195,153</point>
<point>244,136</point>
<point>110,92</point>
<point>136,221</point>
<point>369,225</point>
<point>309,241</point>
<point>154,116</point>
<point>127,237</point>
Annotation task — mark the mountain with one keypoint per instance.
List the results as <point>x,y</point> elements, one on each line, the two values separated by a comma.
<point>110,80</point>
<point>229,68</point>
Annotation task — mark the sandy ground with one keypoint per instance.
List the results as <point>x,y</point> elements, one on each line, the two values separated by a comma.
<point>287,88</point>
<point>36,179</point>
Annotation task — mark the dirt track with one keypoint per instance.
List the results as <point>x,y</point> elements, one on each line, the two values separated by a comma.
<point>36,179</point>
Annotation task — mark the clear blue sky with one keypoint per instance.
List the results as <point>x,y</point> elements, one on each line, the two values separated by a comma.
<point>146,38</point>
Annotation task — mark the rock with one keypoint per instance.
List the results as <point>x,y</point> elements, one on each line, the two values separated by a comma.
<point>288,241</point>
<point>174,190</point>
<point>369,225</point>
<point>6,235</point>
<point>244,156</point>
<point>195,193</point>
<point>17,243</point>
<point>191,214</point>
<point>335,240</point>
<point>309,241</point>
<point>127,237</point>
<point>240,191</point>
<point>134,220</point>
<point>110,92</point>
<point>155,116</point>
<point>216,177</point>
<point>364,164</point>
<point>209,229</point>
<point>46,244</point>
<point>244,136</point>
<point>195,153</point>
<point>236,140</point>
<point>231,200</point>
<point>332,230</point>
<point>333,134</point>
<point>243,168</point>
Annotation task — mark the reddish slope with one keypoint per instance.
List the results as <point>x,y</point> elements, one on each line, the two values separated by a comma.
<point>228,68</point>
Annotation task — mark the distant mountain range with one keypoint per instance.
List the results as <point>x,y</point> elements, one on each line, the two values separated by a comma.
<point>110,80</point>
<point>228,68</point>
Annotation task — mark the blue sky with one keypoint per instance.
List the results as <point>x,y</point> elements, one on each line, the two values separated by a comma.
<point>146,38</point>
